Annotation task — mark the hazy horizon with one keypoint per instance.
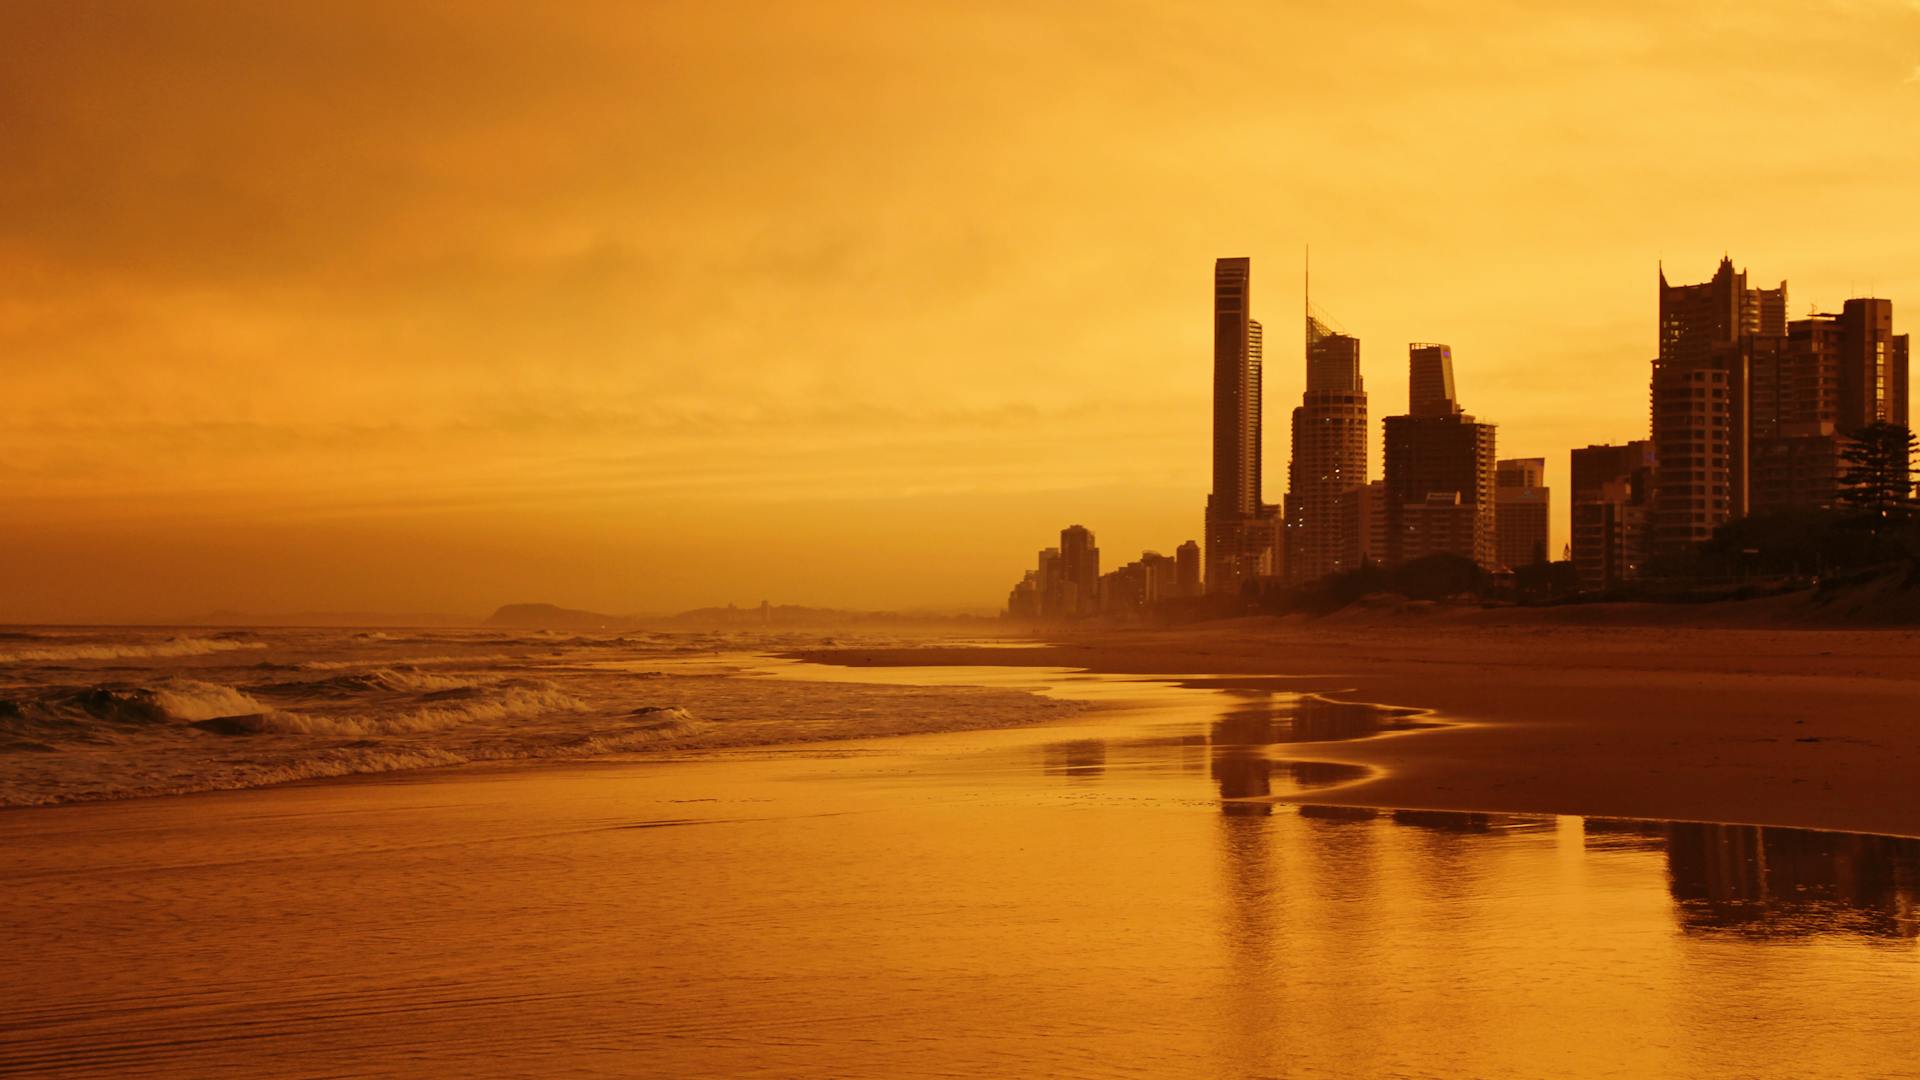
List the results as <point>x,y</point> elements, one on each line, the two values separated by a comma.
<point>639,310</point>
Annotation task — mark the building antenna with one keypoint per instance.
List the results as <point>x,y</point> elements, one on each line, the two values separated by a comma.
<point>1306,283</point>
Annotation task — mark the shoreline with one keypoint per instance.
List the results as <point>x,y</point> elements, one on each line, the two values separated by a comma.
<point>1799,728</point>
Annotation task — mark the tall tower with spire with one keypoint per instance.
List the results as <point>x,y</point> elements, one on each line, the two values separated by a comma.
<point>1326,517</point>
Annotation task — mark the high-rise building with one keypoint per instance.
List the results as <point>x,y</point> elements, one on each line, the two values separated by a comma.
<point>1052,583</point>
<point>1873,366</point>
<point>1521,503</point>
<point>1370,521</point>
<point>1162,576</point>
<point>1611,525</point>
<point>1024,601</point>
<point>1079,570</point>
<point>1700,396</point>
<point>1439,489</point>
<point>1430,381</point>
<point>1068,583</point>
<point>1243,534</point>
<point>1187,560</point>
<point>1329,464</point>
<point>1826,376</point>
<point>1438,524</point>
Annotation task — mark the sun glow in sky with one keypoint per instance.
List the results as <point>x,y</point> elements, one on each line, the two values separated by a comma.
<point>430,307</point>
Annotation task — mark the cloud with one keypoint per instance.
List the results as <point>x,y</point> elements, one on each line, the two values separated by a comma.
<point>288,257</point>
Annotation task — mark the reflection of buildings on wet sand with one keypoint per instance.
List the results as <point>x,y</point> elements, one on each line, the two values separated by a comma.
<point>1744,880</point>
<point>1765,882</point>
<point>1793,882</point>
<point>1260,717</point>
<point>1241,765</point>
<point>1080,757</point>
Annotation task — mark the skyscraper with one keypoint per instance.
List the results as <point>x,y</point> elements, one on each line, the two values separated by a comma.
<point>1242,532</point>
<point>1324,530</point>
<point>1080,570</point>
<point>1825,377</point>
<point>1430,381</point>
<point>1187,563</point>
<point>1439,472</point>
<point>1700,396</point>
<point>1873,366</point>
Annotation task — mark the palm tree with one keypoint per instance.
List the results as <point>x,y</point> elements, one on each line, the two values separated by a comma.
<point>1877,472</point>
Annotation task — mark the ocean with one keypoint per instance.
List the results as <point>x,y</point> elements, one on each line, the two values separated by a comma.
<point>112,713</point>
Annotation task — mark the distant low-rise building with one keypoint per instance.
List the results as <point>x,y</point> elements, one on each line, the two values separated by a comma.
<point>1611,512</point>
<point>1521,512</point>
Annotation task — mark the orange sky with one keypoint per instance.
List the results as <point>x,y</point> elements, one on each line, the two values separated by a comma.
<point>643,306</point>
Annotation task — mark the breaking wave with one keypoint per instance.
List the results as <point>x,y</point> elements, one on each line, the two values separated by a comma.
<point>330,703</point>
<point>390,680</point>
<point>192,701</point>
<point>129,650</point>
<point>507,705</point>
<point>98,713</point>
<point>404,662</point>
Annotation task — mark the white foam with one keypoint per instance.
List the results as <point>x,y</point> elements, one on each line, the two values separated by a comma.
<point>424,681</point>
<point>509,704</point>
<point>130,650</point>
<point>187,700</point>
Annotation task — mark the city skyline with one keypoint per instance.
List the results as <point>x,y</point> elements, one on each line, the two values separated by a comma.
<point>364,360</point>
<point>1751,413</point>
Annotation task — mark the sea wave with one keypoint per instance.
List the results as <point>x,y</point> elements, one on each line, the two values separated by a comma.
<point>328,703</point>
<point>189,701</point>
<point>129,650</point>
<point>96,713</point>
<point>398,680</point>
<point>509,704</point>
<point>401,662</point>
<point>655,727</point>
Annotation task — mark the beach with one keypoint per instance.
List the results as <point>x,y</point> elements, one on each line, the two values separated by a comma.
<point>1164,883</point>
<point>1808,727</point>
<point>1176,854</point>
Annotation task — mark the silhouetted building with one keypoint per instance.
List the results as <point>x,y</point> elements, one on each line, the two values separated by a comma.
<point>1699,392</point>
<point>1329,464</point>
<point>1368,512</point>
<point>1430,457</point>
<point>1124,591</point>
<point>1439,524</point>
<point>1243,534</point>
<point>1131,589</point>
<point>1521,503</point>
<point>1162,576</point>
<point>1873,367</point>
<point>1430,381</point>
<point>1051,575</point>
<point>1611,525</point>
<point>1068,584</point>
<point>1024,601</point>
<point>1826,376</point>
<point>1079,570</point>
<point>1187,558</point>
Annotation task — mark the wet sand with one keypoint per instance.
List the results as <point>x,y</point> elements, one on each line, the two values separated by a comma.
<point>1814,728</point>
<point>1110,894</point>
